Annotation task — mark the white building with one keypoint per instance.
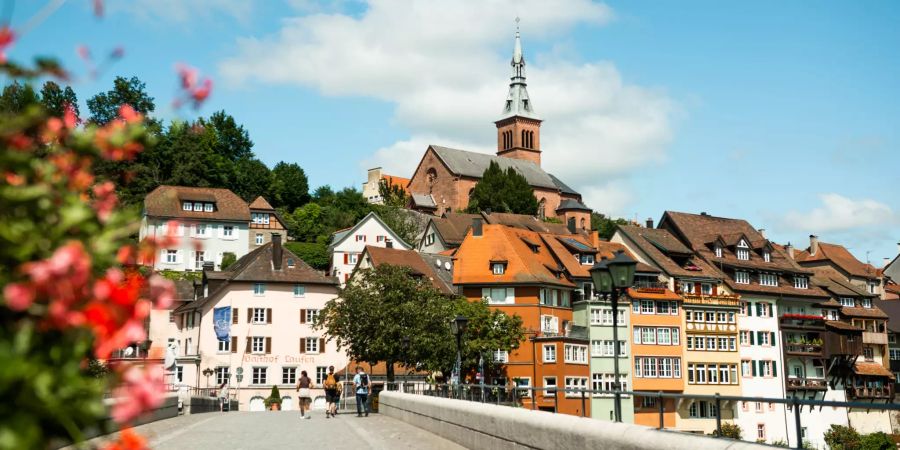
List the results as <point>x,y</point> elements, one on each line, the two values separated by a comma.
<point>347,245</point>
<point>271,298</point>
<point>211,222</point>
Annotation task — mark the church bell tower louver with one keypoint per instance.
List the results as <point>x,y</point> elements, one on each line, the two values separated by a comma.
<point>519,128</point>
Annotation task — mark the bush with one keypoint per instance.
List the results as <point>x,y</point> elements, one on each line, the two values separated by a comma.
<point>313,253</point>
<point>228,259</point>
<point>274,397</point>
<point>729,430</point>
<point>839,437</point>
<point>876,441</point>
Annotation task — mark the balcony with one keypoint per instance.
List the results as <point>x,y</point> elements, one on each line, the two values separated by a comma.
<point>884,392</point>
<point>650,285</point>
<point>807,384</point>
<point>839,344</point>
<point>802,322</point>
<point>712,300</point>
<point>803,349</point>
<point>869,337</point>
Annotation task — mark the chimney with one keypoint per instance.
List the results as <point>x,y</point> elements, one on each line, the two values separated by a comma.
<point>476,227</point>
<point>570,224</point>
<point>762,232</point>
<point>649,223</point>
<point>813,244</point>
<point>487,211</point>
<point>277,251</point>
<point>789,249</point>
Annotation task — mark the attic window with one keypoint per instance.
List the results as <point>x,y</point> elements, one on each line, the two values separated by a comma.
<point>587,259</point>
<point>867,303</point>
<point>187,206</point>
<point>208,207</point>
<point>290,262</point>
<point>847,301</point>
<point>801,283</point>
<point>743,251</point>
<point>767,257</point>
<point>498,268</point>
<point>718,251</point>
<point>198,206</point>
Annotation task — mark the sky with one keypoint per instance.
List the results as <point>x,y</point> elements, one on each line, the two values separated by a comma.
<point>781,113</point>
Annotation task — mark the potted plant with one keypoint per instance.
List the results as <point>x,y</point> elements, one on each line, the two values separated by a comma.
<point>274,400</point>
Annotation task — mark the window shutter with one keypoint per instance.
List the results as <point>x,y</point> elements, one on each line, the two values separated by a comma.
<point>772,338</point>
<point>753,367</point>
<point>771,310</point>
<point>759,338</point>
<point>774,369</point>
<point>249,315</point>
<point>321,345</point>
<point>762,368</point>
<point>749,308</point>
<point>162,255</point>
<point>268,345</point>
<point>302,316</point>
<point>248,345</point>
<point>759,309</point>
<point>752,334</point>
<point>269,315</point>
<point>234,316</point>
<point>510,295</point>
<point>234,344</point>
<point>302,345</point>
<point>346,258</point>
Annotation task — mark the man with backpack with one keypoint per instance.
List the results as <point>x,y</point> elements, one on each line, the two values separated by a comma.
<point>332,395</point>
<point>361,382</point>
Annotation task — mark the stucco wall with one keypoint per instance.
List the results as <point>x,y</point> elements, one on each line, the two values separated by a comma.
<point>213,245</point>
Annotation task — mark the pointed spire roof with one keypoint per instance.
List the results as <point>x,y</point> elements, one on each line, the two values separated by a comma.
<point>517,101</point>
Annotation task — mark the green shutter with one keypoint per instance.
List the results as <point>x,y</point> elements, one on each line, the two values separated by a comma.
<point>774,369</point>
<point>752,334</point>
<point>759,338</point>
<point>762,369</point>
<point>750,309</point>
<point>753,366</point>
<point>771,310</point>
<point>759,309</point>
<point>772,338</point>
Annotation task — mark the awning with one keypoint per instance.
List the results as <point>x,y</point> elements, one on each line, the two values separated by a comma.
<point>872,369</point>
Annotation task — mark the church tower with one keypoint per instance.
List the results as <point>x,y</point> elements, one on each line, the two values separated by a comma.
<point>519,128</point>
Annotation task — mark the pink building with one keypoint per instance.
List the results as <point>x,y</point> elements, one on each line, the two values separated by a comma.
<point>266,302</point>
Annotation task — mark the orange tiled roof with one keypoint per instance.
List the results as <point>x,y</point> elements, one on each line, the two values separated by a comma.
<point>400,182</point>
<point>652,294</point>
<point>841,257</point>
<point>261,203</point>
<point>512,246</point>
<point>871,368</point>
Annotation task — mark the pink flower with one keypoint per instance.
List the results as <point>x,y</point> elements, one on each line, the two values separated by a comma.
<point>188,76</point>
<point>140,391</point>
<point>19,296</point>
<point>129,114</point>
<point>162,291</point>
<point>70,119</point>
<point>202,92</point>
<point>84,52</point>
<point>98,8</point>
<point>105,200</point>
<point>7,37</point>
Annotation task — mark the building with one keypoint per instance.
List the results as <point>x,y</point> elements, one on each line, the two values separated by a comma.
<point>436,269</point>
<point>834,259</point>
<point>514,271</point>
<point>268,301</point>
<point>347,245</point>
<point>447,232</point>
<point>445,177</point>
<point>264,222</point>
<point>372,187</point>
<point>208,223</point>
<point>891,269</point>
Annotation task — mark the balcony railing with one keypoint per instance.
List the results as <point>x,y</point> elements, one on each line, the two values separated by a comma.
<point>129,353</point>
<point>803,349</point>
<point>650,285</point>
<point>871,392</point>
<point>874,338</point>
<point>838,344</point>
<point>818,384</point>
<point>715,300</point>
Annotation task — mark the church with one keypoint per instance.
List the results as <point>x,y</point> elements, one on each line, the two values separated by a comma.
<point>445,177</point>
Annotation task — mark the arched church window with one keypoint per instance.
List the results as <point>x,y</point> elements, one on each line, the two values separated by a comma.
<point>582,224</point>
<point>524,137</point>
<point>542,209</point>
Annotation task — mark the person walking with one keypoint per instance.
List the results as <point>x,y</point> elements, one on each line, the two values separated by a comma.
<point>331,393</point>
<point>303,387</point>
<point>361,383</point>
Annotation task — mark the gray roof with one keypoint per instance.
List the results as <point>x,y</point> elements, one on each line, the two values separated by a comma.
<point>424,200</point>
<point>563,187</point>
<point>441,270</point>
<point>472,164</point>
<point>517,101</point>
<point>572,204</point>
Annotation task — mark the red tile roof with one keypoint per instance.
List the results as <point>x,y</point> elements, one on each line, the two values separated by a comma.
<point>400,182</point>
<point>261,203</point>
<point>872,369</point>
<point>839,256</point>
<point>166,202</point>
<point>409,259</point>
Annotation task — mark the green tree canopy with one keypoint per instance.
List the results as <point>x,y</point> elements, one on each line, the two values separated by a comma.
<point>290,188</point>
<point>500,191</point>
<point>313,253</point>
<point>104,106</point>
<point>604,225</point>
<point>407,322</point>
<point>17,97</point>
<point>55,99</point>
<point>392,195</point>
<point>232,140</point>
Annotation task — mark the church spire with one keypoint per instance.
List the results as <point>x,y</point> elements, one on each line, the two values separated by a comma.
<point>519,128</point>
<point>517,101</point>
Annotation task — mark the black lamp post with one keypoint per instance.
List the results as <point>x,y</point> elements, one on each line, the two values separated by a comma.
<point>457,328</point>
<point>611,276</point>
<point>207,371</point>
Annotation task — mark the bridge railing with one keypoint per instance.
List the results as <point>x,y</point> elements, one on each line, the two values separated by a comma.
<point>511,395</point>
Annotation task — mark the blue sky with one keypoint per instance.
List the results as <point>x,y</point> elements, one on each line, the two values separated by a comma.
<point>783,113</point>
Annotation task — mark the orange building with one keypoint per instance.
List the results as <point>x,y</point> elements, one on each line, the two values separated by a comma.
<point>515,271</point>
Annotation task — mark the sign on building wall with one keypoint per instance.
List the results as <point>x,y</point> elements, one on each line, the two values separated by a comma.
<point>222,323</point>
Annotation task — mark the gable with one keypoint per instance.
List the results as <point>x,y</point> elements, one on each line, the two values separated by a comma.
<point>371,225</point>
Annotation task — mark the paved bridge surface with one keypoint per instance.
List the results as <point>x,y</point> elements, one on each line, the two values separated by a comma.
<point>285,429</point>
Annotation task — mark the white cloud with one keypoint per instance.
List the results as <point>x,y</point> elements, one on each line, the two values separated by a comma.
<point>445,66</point>
<point>841,214</point>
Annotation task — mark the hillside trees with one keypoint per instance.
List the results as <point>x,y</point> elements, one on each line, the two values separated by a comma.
<point>499,191</point>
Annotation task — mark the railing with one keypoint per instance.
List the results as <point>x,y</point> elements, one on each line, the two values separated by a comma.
<point>513,395</point>
<point>650,285</point>
<point>716,300</point>
<point>873,392</point>
<point>803,349</point>
<point>135,353</point>
<point>807,383</point>
<point>869,337</point>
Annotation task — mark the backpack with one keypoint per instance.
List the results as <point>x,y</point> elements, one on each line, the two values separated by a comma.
<point>330,382</point>
<point>364,380</point>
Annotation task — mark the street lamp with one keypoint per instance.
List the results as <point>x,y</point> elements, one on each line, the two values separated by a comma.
<point>611,276</point>
<point>457,328</point>
<point>207,371</point>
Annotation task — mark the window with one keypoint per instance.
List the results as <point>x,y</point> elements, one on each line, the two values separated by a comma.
<point>225,346</point>
<point>743,252</point>
<point>501,295</point>
<point>312,345</point>
<point>866,303</point>
<point>597,348</point>
<point>766,368</point>
<point>288,375</point>
<point>299,290</point>
<point>646,306</point>
<point>501,356</point>
<point>702,410</point>
<point>848,302</point>
<point>198,206</point>
<point>171,256</point>
<point>259,375</point>
<point>549,352</point>
<point>596,318</point>
<point>722,317</point>
<point>663,336</point>
<point>550,324</point>
<point>258,344</point>
<point>654,367</point>
<point>745,368</point>
<point>260,218</point>
<point>259,289</point>
<point>227,230</point>
<point>648,335</point>
<point>742,277</point>
<point>761,431</point>
<point>186,206</point>
<point>587,259</point>
<point>662,307</point>
<point>801,283</point>
<point>894,354</point>
<point>767,257</point>
<point>763,338</point>
<point>179,374</point>
<point>208,207</point>
<point>198,259</point>
<point>743,309</point>
<point>259,239</point>
<point>718,251</point>
<point>360,238</point>
<point>687,287</point>
<point>223,375</point>
<point>312,315</point>
<point>768,279</point>
<point>706,289</point>
<point>648,402</point>
<point>577,384</point>
<point>550,385</point>
<point>429,240</point>
<point>498,268</point>
<point>524,385</point>
<point>712,373</point>
<point>868,353</point>
<point>576,354</point>
<point>873,287</point>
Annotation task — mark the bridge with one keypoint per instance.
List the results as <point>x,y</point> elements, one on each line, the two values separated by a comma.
<point>409,421</point>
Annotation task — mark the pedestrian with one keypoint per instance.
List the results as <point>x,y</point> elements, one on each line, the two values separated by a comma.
<point>361,383</point>
<point>303,387</point>
<point>332,396</point>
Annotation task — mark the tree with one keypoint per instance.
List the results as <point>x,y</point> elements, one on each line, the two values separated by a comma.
<point>839,437</point>
<point>392,194</point>
<point>730,430</point>
<point>877,441</point>
<point>604,225</point>
<point>55,99</point>
<point>407,321</point>
<point>17,97</point>
<point>233,141</point>
<point>305,223</point>
<point>290,188</point>
<point>251,179</point>
<point>228,259</point>
<point>400,220</point>
<point>313,253</point>
<point>500,191</point>
<point>104,106</point>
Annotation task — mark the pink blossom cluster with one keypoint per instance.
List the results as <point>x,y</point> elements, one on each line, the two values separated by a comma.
<point>193,90</point>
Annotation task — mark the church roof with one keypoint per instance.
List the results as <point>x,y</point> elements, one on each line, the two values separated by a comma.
<point>563,187</point>
<point>517,101</point>
<point>471,164</point>
<point>572,204</point>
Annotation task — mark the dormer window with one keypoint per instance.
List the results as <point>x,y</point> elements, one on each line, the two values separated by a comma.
<point>187,206</point>
<point>801,283</point>
<point>290,263</point>
<point>718,251</point>
<point>743,251</point>
<point>767,257</point>
<point>742,277</point>
<point>260,218</point>
<point>768,279</point>
<point>867,303</point>
<point>873,287</point>
<point>208,207</point>
<point>498,268</point>
<point>198,206</point>
<point>848,302</point>
<point>587,259</point>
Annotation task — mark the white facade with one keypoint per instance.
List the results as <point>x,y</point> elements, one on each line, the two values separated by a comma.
<point>272,341</point>
<point>198,241</point>
<point>349,245</point>
<point>431,241</point>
